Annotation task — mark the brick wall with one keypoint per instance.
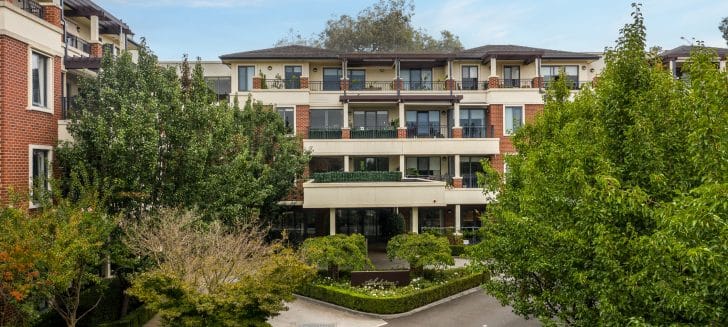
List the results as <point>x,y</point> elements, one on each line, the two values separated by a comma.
<point>97,51</point>
<point>495,118</point>
<point>302,120</point>
<point>52,14</point>
<point>20,127</point>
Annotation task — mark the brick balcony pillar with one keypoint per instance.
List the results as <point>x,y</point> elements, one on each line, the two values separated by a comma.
<point>257,83</point>
<point>450,84</point>
<point>595,81</point>
<point>457,182</point>
<point>457,132</point>
<point>302,120</point>
<point>537,82</point>
<point>304,82</point>
<point>397,84</point>
<point>493,82</point>
<point>344,84</point>
<point>52,14</point>
<point>346,133</point>
<point>402,132</point>
<point>97,51</point>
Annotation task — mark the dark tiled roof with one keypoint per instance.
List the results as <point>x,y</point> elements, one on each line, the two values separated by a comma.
<point>506,50</point>
<point>285,52</point>
<point>684,51</point>
<point>87,8</point>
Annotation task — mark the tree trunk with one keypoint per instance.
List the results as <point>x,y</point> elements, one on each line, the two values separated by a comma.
<point>334,271</point>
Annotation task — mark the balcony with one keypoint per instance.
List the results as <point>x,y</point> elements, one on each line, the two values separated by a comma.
<point>402,146</point>
<point>373,132</point>
<point>324,133</point>
<point>374,194</point>
<point>429,130</point>
<point>31,7</point>
<point>478,131</point>
<point>280,84</point>
<point>511,83</point>
<point>78,43</point>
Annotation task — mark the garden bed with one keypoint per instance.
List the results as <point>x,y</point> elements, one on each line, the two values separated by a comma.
<point>384,299</point>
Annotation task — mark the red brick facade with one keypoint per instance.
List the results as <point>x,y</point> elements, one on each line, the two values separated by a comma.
<point>346,133</point>
<point>52,14</point>
<point>493,83</point>
<point>457,182</point>
<point>457,132</point>
<point>97,51</point>
<point>344,84</point>
<point>257,83</point>
<point>495,118</point>
<point>303,120</point>
<point>401,133</point>
<point>20,127</point>
<point>304,82</point>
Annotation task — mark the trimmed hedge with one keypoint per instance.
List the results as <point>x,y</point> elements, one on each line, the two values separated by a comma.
<point>393,304</point>
<point>136,318</point>
<point>457,250</point>
<point>357,176</point>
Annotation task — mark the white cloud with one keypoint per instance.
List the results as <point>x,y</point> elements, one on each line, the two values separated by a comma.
<point>191,3</point>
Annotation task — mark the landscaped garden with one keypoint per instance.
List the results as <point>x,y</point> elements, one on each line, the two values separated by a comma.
<point>341,280</point>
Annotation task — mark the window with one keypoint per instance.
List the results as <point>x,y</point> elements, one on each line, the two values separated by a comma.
<point>371,164</point>
<point>40,172</point>
<point>332,79</point>
<point>513,119</point>
<point>470,77</point>
<point>293,77</point>
<point>511,76</point>
<point>423,167</point>
<point>357,79</point>
<point>416,79</point>
<point>40,80</point>
<point>371,119</point>
<point>326,118</point>
<point>469,169</point>
<point>551,73</point>
<point>326,164</point>
<point>473,123</point>
<point>430,218</point>
<point>287,116</point>
<point>245,78</point>
<point>424,124</point>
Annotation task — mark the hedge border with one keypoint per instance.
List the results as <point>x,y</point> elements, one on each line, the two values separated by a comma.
<point>392,304</point>
<point>136,318</point>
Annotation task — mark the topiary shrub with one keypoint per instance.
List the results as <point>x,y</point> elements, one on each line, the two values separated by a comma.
<point>420,250</point>
<point>336,251</point>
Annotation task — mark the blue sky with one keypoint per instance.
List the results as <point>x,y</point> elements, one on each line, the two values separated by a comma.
<point>209,28</point>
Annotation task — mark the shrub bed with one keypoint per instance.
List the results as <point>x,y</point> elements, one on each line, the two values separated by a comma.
<point>136,318</point>
<point>357,176</point>
<point>390,302</point>
<point>457,250</point>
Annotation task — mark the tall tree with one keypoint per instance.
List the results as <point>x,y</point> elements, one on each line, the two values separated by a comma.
<point>154,140</point>
<point>724,28</point>
<point>613,210</point>
<point>386,26</point>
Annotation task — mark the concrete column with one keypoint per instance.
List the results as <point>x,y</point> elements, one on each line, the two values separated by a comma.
<point>122,41</point>
<point>457,219</point>
<point>493,67</point>
<point>456,114</point>
<point>346,115</point>
<point>402,165</point>
<point>415,220</point>
<point>346,163</point>
<point>457,166</point>
<point>722,65</point>
<point>332,221</point>
<point>673,68</point>
<point>94,29</point>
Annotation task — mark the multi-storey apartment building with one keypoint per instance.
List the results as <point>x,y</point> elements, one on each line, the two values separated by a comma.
<point>430,117</point>
<point>44,47</point>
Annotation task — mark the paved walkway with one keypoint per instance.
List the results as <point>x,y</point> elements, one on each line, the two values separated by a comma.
<point>476,309</point>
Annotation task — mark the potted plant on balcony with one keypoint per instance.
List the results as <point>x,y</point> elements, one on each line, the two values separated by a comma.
<point>263,82</point>
<point>278,84</point>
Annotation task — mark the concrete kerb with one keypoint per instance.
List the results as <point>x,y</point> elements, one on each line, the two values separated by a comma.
<point>394,315</point>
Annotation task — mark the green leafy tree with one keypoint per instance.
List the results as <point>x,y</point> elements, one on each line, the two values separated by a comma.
<point>613,210</point>
<point>153,140</point>
<point>724,29</point>
<point>211,274</point>
<point>52,254</point>
<point>420,250</point>
<point>386,26</point>
<point>335,251</point>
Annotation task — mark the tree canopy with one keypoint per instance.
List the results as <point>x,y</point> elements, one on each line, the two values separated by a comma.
<point>724,28</point>
<point>386,26</point>
<point>613,210</point>
<point>150,139</point>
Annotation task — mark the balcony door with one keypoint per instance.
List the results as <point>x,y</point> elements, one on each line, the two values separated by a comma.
<point>470,77</point>
<point>511,76</point>
<point>423,123</point>
<point>473,123</point>
<point>417,79</point>
<point>293,77</point>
